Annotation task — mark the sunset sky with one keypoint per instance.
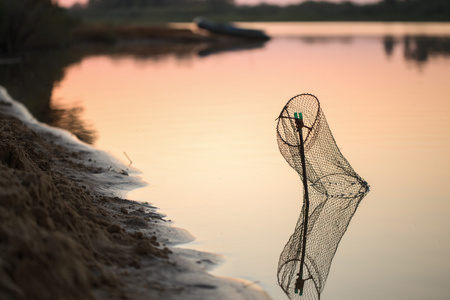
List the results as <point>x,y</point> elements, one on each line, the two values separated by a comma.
<point>68,3</point>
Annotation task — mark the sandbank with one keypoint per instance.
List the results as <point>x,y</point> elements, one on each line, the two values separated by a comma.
<point>66,232</point>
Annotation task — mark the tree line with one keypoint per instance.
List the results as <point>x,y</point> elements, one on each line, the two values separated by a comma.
<point>40,24</point>
<point>227,10</point>
<point>127,4</point>
<point>32,24</point>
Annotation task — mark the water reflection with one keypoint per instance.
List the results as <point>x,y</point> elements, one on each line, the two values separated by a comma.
<point>421,48</point>
<point>71,119</point>
<point>389,43</point>
<point>327,39</point>
<point>31,81</point>
<point>155,51</point>
<point>32,78</point>
<point>416,48</point>
<point>233,47</point>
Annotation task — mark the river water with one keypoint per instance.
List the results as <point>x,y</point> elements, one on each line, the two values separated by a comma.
<point>200,126</point>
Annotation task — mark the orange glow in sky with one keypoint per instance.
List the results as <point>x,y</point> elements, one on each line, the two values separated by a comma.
<point>69,3</point>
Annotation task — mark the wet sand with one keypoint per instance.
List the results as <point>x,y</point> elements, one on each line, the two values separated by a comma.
<point>64,234</point>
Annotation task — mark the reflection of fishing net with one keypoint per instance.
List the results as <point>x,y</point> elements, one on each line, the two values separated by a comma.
<point>332,192</point>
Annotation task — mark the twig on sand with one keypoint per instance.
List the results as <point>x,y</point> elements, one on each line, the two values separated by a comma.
<point>128,158</point>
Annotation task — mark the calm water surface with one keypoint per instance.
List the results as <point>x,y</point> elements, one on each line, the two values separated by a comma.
<point>201,128</point>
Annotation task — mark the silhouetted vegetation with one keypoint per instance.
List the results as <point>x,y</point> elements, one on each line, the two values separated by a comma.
<point>32,24</point>
<point>421,48</point>
<point>32,81</point>
<point>147,11</point>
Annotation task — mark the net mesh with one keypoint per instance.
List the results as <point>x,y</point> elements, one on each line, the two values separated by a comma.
<point>334,191</point>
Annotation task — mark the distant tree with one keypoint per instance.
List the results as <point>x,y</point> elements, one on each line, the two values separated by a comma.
<point>31,24</point>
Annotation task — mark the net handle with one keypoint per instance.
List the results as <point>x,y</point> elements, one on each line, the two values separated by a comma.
<point>299,284</point>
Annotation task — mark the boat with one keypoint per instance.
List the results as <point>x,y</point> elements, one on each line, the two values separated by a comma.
<point>229,29</point>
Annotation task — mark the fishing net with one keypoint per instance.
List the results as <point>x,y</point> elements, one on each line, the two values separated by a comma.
<point>332,193</point>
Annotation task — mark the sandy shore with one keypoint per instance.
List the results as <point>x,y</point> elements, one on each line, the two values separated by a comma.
<point>64,233</point>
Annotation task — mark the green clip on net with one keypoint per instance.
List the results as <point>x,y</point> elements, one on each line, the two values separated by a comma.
<point>298,116</point>
<point>332,193</point>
